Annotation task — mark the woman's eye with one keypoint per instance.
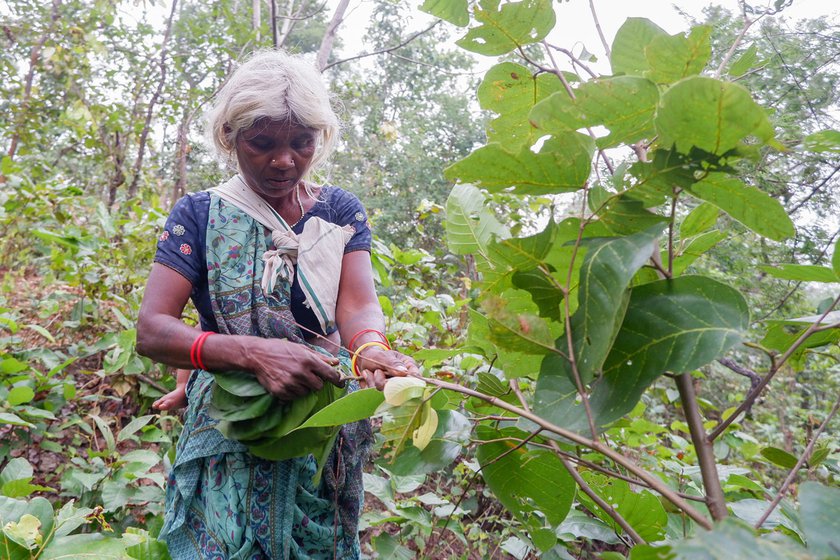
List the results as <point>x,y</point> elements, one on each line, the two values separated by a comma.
<point>259,144</point>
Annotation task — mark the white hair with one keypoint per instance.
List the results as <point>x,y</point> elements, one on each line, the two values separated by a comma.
<point>279,86</point>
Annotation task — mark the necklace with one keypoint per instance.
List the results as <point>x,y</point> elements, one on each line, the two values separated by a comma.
<point>300,205</point>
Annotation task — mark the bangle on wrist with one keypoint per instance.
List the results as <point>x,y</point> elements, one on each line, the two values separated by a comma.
<point>364,331</point>
<point>357,353</point>
<point>195,350</point>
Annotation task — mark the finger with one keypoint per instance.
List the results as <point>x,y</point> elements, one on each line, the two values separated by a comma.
<point>379,379</point>
<point>367,377</point>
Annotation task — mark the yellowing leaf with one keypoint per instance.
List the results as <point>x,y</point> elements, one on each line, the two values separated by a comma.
<point>399,390</point>
<point>24,532</point>
<point>428,425</point>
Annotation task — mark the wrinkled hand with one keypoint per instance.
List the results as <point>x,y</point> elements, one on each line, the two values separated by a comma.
<point>377,365</point>
<point>289,370</point>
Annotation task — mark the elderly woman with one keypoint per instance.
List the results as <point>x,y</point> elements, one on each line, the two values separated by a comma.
<point>279,270</point>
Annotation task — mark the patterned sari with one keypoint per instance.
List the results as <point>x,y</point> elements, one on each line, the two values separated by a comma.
<point>222,502</point>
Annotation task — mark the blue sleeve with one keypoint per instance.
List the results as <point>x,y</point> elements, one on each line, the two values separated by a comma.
<point>349,211</point>
<point>181,244</point>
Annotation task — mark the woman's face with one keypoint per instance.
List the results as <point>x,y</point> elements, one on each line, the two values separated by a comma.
<point>274,156</point>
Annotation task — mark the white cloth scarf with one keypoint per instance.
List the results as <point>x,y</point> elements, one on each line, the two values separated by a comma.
<point>318,250</point>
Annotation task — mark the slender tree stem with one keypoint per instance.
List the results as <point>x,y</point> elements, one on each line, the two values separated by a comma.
<point>654,482</point>
<point>777,365</point>
<point>715,499</point>
<point>806,454</point>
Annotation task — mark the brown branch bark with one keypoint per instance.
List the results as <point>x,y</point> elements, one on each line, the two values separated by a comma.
<point>806,454</point>
<point>654,482</point>
<point>328,39</point>
<point>715,499</point>
<point>777,365</point>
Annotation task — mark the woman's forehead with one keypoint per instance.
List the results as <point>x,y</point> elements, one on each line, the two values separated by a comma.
<point>276,127</point>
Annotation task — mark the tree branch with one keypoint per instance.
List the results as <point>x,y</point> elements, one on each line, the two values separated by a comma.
<point>654,482</point>
<point>806,454</point>
<point>777,364</point>
<point>384,50</point>
<point>715,499</point>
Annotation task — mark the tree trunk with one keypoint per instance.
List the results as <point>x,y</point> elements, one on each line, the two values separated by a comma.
<point>329,35</point>
<point>182,148</point>
<point>141,150</point>
<point>34,57</point>
<point>256,16</point>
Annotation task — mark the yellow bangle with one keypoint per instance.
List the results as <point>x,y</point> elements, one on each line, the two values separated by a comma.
<point>359,350</point>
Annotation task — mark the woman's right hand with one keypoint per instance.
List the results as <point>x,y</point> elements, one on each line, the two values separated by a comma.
<point>289,370</point>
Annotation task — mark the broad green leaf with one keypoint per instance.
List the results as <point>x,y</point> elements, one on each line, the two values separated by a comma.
<point>69,241</point>
<point>26,531</point>
<point>781,335</point>
<point>105,430</point>
<point>562,164</point>
<point>823,141</point>
<point>544,290</point>
<point>710,114</point>
<point>505,27</point>
<point>642,509</point>
<point>625,105</point>
<point>514,325</point>
<point>819,514</point>
<point>657,180</point>
<point>580,525</point>
<point>134,426</point>
<point>511,90</point>
<point>702,218</point>
<point>453,11</point>
<point>751,206</point>
<point>69,518</point>
<point>388,547</point>
<point>694,249</point>
<point>352,407</point>
<point>779,457</point>
<point>671,325</point>
<point>451,435</point>
<point>20,394</point>
<point>469,224</point>
<point>239,383</point>
<point>149,549</point>
<point>507,256</point>
<point>673,57</point>
<point>12,365</point>
<point>607,269</point>
<point>14,420</point>
<point>744,62</point>
<point>524,480</point>
<point>622,215</point>
<point>13,510</point>
<point>514,364</point>
<point>93,546</point>
<point>733,540</point>
<point>232,408</point>
<point>629,44</point>
<point>802,273</point>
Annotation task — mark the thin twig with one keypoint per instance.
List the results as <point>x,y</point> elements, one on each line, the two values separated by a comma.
<point>777,364</point>
<point>582,484</point>
<point>384,50</point>
<point>654,482</point>
<point>806,454</point>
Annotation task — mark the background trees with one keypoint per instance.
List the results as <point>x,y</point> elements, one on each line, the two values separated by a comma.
<point>101,133</point>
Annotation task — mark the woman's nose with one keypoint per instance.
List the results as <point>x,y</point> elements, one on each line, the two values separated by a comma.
<point>282,160</point>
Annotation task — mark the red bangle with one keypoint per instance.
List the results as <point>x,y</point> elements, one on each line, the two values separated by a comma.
<point>363,331</point>
<point>195,350</point>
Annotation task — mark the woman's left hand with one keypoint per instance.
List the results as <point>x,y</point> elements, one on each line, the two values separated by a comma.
<point>378,364</point>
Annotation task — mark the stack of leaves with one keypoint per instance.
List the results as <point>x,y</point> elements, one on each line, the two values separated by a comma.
<point>272,429</point>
